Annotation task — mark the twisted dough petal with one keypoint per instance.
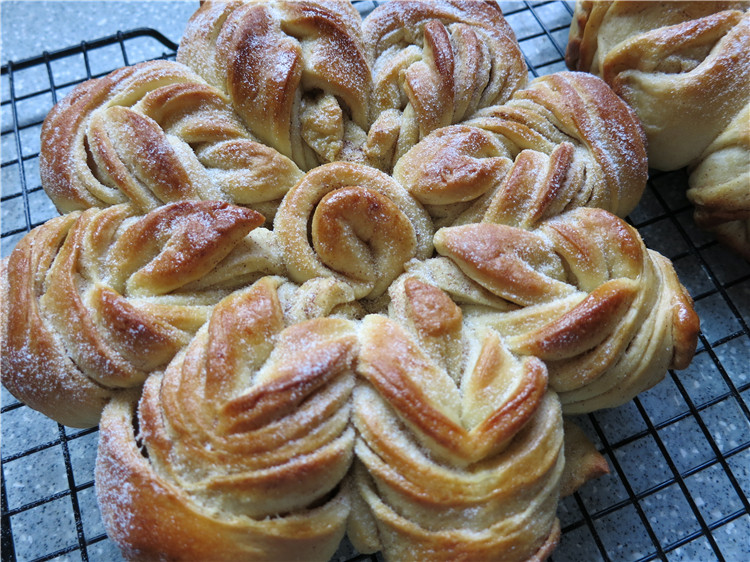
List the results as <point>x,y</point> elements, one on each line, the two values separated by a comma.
<point>452,168</point>
<point>30,350</point>
<point>608,316</point>
<point>459,443</point>
<point>552,147</point>
<point>353,222</point>
<point>670,72</point>
<point>434,64</point>
<point>243,441</point>
<point>572,107</point>
<point>282,64</point>
<point>151,134</point>
<point>119,280</point>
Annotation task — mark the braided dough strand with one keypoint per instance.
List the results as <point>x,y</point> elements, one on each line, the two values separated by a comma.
<point>294,71</point>
<point>435,64</point>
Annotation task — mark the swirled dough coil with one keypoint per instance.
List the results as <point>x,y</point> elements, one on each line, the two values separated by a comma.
<point>353,222</point>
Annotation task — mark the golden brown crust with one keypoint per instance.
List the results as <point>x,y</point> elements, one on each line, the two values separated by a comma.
<point>606,315</point>
<point>243,441</point>
<point>151,134</point>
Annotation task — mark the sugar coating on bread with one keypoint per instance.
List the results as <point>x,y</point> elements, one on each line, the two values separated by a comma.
<point>333,276</point>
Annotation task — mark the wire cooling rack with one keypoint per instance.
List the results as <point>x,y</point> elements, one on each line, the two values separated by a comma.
<point>679,454</point>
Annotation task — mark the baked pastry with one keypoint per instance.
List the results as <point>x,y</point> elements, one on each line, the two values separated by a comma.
<point>685,69</point>
<point>241,443</point>
<point>155,133</point>
<point>606,315</point>
<point>293,358</point>
<point>459,446</point>
<point>242,447</point>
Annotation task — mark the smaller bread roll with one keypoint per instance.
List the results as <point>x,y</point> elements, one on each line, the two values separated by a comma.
<point>684,67</point>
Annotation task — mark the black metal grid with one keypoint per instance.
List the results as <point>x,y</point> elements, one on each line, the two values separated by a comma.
<point>679,453</point>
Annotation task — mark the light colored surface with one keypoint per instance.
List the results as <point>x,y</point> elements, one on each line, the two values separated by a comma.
<point>28,28</point>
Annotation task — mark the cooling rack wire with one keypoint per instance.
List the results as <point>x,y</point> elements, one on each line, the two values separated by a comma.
<point>679,454</point>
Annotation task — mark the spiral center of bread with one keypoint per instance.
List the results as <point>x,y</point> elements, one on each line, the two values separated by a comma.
<point>358,232</point>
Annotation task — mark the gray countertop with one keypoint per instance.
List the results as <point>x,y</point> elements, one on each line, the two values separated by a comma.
<point>28,28</point>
